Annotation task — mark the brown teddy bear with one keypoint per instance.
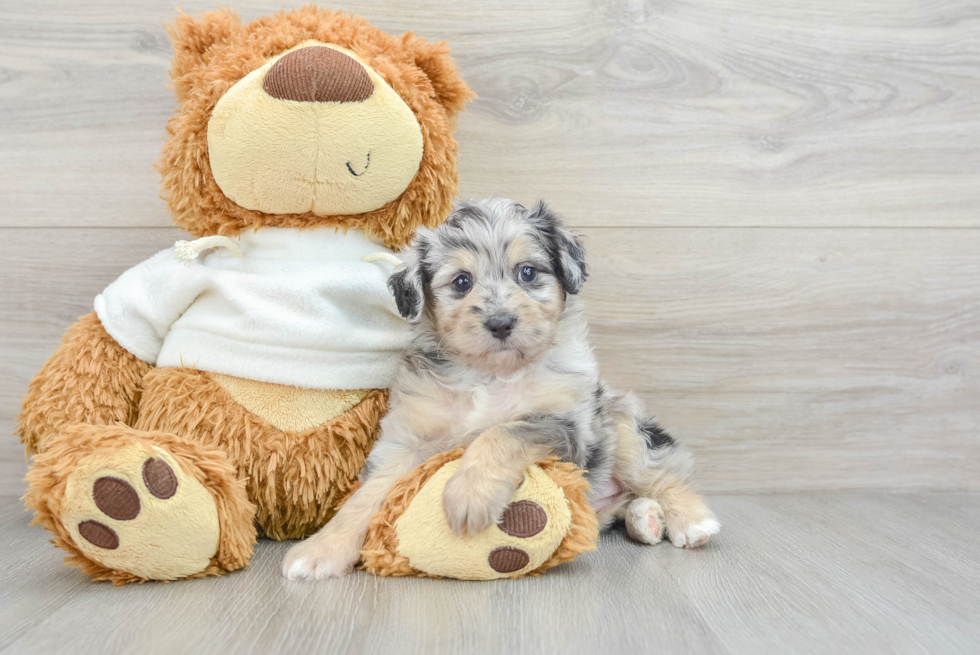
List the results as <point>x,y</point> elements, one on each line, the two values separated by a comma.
<point>234,384</point>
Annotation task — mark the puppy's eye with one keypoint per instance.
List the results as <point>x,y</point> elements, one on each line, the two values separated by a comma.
<point>462,283</point>
<point>527,273</point>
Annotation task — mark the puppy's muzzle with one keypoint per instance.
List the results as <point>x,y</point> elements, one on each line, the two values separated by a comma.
<point>501,325</point>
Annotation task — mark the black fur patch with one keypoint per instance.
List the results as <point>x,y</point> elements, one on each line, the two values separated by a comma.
<point>564,248</point>
<point>464,211</point>
<point>408,299</point>
<point>457,242</point>
<point>423,263</point>
<point>598,407</point>
<point>654,435</point>
<point>410,286</point>
<point>595,457</point>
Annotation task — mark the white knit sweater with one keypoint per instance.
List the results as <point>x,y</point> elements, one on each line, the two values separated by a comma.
<point>298,308</point>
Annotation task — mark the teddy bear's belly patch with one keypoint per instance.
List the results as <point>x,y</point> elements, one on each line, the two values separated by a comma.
<point>291,409</point>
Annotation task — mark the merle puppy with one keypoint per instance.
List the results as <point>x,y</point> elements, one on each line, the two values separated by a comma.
<point>501,364</point>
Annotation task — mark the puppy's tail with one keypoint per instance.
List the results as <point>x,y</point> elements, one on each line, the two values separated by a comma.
<point>640,435</point>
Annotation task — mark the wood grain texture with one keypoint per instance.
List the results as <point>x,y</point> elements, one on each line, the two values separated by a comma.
<point>828,573</point>
<point>787,359</point>
<point>798,358</point>
<point>631,112</point>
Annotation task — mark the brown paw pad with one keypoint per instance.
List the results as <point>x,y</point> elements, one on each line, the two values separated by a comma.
<point>507,559</point>
<point>116,498</point>
<point>523,519</point>
<point>99,534</point>
<point>159,478</point>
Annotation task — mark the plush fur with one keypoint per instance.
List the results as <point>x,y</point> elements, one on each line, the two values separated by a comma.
<point>89,378</point>
<point>93,397</point>
<point>381,556</point>
<point>48,476</point>
<point>213,52</point>
<point>296,479</point>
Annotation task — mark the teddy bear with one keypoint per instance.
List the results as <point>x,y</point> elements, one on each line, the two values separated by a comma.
<point>231,386</point>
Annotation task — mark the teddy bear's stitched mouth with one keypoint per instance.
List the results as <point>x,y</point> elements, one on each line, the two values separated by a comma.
<point>365,166</point>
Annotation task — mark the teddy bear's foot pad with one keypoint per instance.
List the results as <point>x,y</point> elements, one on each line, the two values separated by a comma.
<point>117,499</point>
<point>549,520</point>
<point>531,528</point>
<point>135,510</point>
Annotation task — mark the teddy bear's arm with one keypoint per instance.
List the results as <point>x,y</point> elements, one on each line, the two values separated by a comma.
<point>89,378</point>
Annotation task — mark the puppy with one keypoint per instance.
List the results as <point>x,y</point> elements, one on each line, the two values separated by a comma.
<point>501,364</point>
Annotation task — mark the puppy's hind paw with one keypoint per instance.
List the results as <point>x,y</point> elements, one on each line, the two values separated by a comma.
<point>645,521</point>
<point>695,534</point>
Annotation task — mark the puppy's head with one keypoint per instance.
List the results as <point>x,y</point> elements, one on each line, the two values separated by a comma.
<point>490,283</point>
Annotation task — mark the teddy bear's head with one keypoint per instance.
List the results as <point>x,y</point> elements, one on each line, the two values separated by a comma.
<point>309,118</point>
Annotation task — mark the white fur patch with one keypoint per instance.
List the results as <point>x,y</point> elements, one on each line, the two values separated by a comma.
<point>321,556</point>
<point>695,534</point>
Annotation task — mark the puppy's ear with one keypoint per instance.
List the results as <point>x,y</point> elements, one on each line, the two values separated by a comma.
<point>567,252</point>
<point>407,288</point>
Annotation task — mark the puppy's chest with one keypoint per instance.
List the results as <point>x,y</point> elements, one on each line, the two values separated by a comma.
<point>456,418</point>
<point>484,407</point>
<point>447,416</point>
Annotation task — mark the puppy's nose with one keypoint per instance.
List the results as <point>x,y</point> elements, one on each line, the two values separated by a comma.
<point>501,325</point>
<point>318,74</point>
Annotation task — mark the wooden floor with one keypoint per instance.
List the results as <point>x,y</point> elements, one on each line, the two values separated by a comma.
<point>860,572</point>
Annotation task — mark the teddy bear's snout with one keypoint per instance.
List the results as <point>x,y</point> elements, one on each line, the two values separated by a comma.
<point>318,74</point>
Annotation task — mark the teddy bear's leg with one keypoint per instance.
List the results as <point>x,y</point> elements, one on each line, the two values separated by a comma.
<point>297,458</point>
<point>130,505</point>
<point>89,378</point>
<point>549,520</point>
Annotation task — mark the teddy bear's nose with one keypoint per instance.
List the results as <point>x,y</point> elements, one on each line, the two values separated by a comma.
<point>318,74</point>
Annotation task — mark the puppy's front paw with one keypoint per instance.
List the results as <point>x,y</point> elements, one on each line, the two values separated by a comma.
<point>321,556</point>
<point>473,501</point>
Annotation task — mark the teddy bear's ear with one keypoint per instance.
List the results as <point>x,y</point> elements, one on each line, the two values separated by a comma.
<point>434,60</point>
<point>194,36</point>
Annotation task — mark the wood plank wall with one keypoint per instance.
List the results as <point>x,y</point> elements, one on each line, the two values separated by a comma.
<point>781,202</point>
